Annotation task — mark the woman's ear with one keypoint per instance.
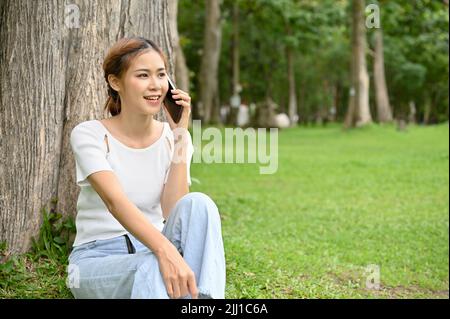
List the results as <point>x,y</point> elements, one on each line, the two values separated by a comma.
<point>114,82</point>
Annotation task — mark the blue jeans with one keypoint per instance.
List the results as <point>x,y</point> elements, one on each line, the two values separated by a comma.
<point>122,267</point>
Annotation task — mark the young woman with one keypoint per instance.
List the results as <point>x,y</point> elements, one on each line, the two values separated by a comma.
<point>140,232</point>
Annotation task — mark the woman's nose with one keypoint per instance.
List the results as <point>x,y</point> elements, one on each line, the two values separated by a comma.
<point>154,83</point>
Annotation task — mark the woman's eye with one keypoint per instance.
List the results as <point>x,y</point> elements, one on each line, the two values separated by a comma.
<point>145,75</point>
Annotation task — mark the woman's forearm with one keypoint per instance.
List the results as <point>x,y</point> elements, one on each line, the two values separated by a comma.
<point>177,183</point>
<point>133,220</point>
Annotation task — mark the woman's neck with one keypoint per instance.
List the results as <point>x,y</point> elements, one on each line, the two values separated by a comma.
<point>135,127</point>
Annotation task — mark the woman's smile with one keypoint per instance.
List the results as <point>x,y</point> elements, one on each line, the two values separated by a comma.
<point>153,100</point>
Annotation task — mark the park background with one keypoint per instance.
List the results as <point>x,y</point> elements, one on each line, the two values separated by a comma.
<point>358,207</point>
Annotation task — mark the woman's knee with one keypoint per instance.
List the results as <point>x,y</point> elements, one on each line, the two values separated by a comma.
<point>201,204</point>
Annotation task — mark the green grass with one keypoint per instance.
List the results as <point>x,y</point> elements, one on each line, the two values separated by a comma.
<point>41,272</point>
<point>340,201</point>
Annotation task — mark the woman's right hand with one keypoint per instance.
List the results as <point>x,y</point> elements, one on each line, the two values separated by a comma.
<point>177,275</point>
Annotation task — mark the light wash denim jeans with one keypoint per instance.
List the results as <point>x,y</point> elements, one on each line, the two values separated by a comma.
<point>122,268</point>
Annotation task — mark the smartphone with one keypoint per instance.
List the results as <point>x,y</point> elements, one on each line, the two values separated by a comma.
<point>175,110</point>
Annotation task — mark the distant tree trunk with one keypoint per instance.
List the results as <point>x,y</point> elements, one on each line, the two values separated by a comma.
<point>336,101</point>
<point>412,112</point>
<point>381,93</point>
<point>358,112</point>
<point>427,110</point>
<point>292,109</point>
<point>301,103</point>
<point>48,85</point>
<point>235,66</point>
<point>209,88</point>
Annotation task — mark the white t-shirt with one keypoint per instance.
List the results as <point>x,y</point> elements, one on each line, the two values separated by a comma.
<point>142,174</point>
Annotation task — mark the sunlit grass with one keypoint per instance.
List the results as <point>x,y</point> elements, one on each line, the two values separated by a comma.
<point>339,202</point>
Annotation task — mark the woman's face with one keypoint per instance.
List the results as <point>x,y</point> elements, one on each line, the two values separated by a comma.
<point>144,85</point>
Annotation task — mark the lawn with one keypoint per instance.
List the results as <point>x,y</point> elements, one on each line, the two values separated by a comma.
<point>339,202</point>
<point>342,205</point>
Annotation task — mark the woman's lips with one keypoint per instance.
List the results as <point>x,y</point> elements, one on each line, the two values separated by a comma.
<point>153,102</point>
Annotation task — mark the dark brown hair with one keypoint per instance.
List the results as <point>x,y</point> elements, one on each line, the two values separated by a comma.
<point>118,60</point>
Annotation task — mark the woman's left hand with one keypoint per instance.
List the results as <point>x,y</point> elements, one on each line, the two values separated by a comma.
<point>183,100</point>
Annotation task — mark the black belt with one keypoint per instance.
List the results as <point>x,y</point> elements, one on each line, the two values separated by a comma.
<point>131,249</point>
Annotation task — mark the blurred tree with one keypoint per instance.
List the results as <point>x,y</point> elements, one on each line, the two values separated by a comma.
<point>384,111</point>
<point>191,15</point>
<point>297,28</point>
<point>416,56</point>
<point>235,65</point>
<point>414,31</point>
<point>358,112</point>
<point>208,80</point>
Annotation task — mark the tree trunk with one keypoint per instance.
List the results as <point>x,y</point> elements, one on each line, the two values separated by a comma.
<point>412,112</point>
<point>336,100</point>
<point>427,110</point>
<point>208,81</point>
<point>235,48</point>
<point>235,67</point>
<point>58,79</point>
<point>381,92</point>
<point>358,112</point>
<point>31,114</point>
<point>292,109</point>
<point>301,103</point>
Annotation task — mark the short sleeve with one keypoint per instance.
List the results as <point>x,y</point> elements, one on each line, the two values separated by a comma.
<point>89,152</point>
<point>189,154</point>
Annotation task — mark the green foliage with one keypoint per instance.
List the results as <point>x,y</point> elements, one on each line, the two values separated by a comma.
<point>340,201</point>
<point>54,237</point>
<point>6,263</point>
<point>41,273</point>
<point>416,55</point>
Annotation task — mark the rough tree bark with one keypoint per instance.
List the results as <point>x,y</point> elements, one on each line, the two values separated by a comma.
<point>52,79</point>
<point>31,114</point>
